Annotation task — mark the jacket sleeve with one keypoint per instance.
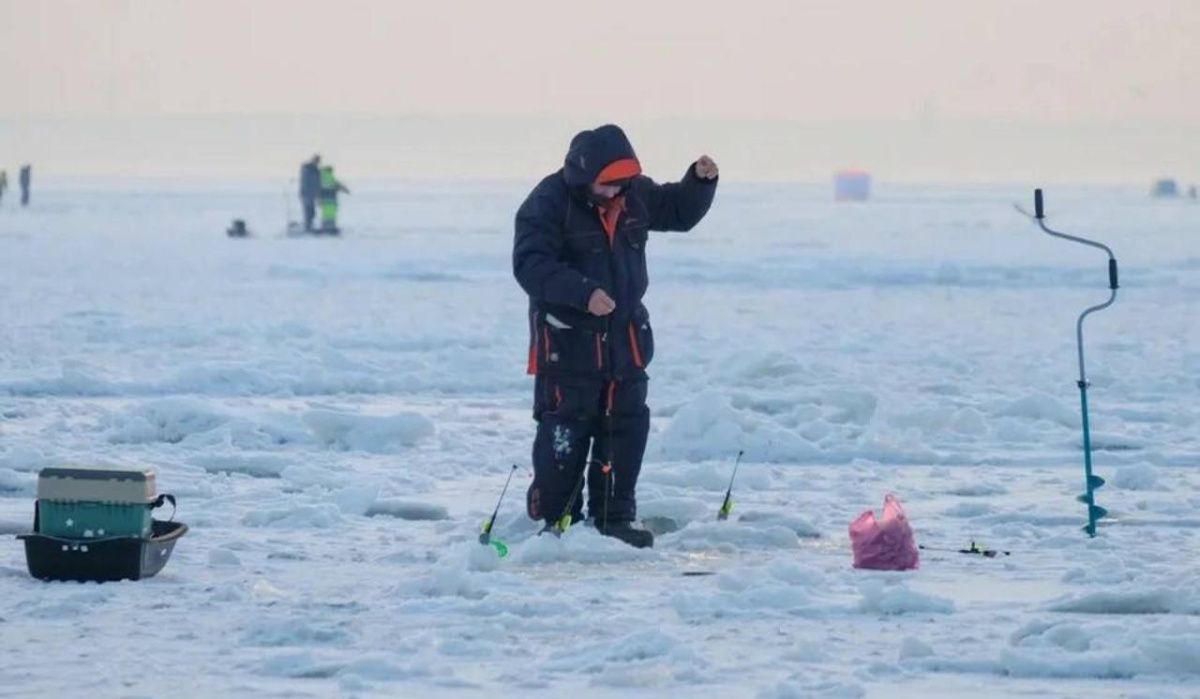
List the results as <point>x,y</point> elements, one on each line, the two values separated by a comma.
<point>537,261</point>
<point>679,206</point>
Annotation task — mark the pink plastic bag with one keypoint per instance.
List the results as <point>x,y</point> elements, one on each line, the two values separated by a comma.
<point>886,543</point>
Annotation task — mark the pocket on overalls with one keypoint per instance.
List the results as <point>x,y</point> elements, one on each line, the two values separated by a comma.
<point>641,338</point>
<point>570,350</point>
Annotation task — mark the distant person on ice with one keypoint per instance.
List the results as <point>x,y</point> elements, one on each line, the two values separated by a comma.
<point>310,189</point>
<point>330,187</point>
<point>580,255</point>
<point>3,183</point>
<point>26,173</point>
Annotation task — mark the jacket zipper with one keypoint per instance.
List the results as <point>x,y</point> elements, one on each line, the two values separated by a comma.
<point>612,273</point>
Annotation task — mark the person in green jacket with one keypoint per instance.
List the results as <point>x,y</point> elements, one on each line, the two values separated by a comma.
<point>328,199</point>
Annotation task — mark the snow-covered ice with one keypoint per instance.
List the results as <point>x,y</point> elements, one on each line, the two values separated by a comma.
<point>337,417</point>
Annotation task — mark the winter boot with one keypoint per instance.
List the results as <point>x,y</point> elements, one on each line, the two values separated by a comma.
<point>625,531</point>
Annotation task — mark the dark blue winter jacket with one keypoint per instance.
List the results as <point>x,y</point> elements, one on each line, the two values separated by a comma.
<point>310,180</point>
<point>562,253</point>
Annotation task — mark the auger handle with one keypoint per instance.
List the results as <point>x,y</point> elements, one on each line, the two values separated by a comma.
<point>1038,210</point>
<point>1112,273</point>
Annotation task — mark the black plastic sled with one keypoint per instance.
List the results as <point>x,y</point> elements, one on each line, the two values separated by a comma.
<point>102,559</point>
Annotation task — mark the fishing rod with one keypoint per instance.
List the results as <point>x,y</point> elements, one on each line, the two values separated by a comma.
<point>606,469</point>
<point>727,505</point>
<point>974,550</point>
<point>1093,482</point>
<point>567,519</point>
<point>485,535</point>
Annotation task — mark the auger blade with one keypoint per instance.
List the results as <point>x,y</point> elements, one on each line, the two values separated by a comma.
<point>1085,498</point>
<point>1095,482</point>
<point>1097,513</point>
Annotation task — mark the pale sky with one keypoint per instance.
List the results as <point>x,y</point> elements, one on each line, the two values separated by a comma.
<point>1125,62</point>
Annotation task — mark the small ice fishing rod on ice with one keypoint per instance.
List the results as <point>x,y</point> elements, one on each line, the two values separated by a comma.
<point>485,535</point>
<point>564,522</point>
<point>973,550</point>
<point>727,505</point>
<point>1093,482</point>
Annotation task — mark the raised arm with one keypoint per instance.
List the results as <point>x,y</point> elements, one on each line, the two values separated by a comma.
<point>679,206</point>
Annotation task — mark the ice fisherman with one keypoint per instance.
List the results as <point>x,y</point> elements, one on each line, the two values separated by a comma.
<point>580,254</point>
<point>330,187</point>
<point>24,177</point>
<point>310,188</point>
<point>3,183</point>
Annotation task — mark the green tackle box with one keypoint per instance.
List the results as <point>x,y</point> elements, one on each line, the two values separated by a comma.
<point>94,503</point>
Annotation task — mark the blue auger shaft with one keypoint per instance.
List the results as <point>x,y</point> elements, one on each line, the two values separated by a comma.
<point>1095,512</point>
